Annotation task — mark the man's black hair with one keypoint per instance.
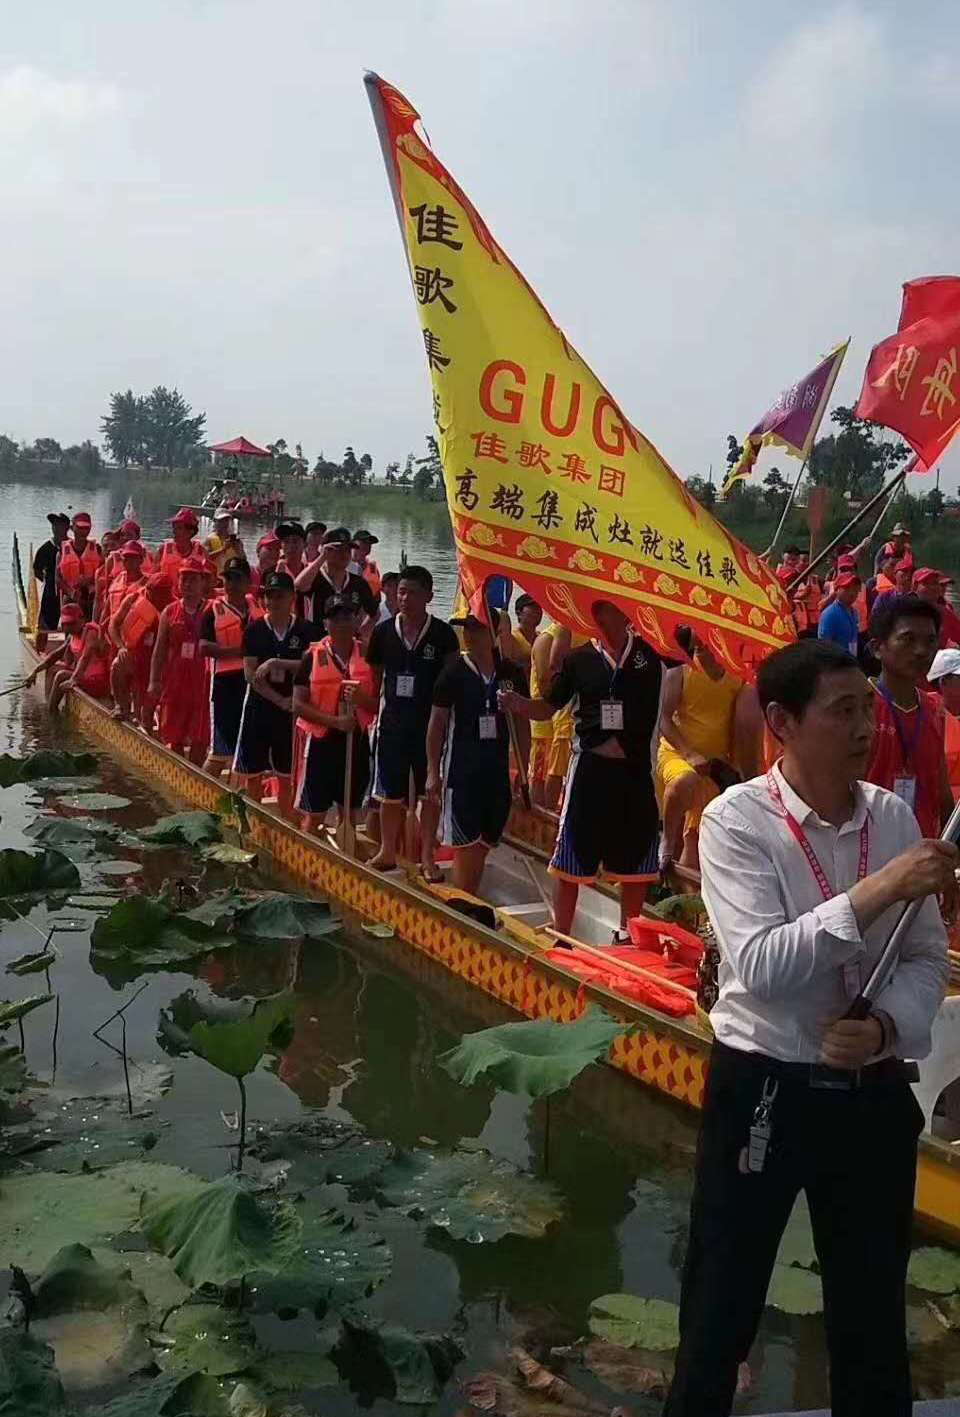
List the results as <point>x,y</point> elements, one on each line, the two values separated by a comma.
<point>892,608</point>
<point>390,576</point>
<point>419,575</point>
<point>790,676</point>
<point>523,601</point>
<point>791,551</point>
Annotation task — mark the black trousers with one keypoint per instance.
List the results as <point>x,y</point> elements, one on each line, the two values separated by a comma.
<point>855,1155</point>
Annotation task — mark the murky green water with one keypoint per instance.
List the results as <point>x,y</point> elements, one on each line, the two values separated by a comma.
<point>371,1019</point>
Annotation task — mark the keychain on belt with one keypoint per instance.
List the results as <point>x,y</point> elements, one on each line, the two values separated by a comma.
<point>753,1156</point>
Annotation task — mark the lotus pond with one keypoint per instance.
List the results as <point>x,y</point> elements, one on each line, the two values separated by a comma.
<point>248,1165</point>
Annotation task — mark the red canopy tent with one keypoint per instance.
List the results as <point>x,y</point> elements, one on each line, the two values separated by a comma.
<point>241,447</point>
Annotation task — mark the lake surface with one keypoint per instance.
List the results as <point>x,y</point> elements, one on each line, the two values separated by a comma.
<point>369,1031</point>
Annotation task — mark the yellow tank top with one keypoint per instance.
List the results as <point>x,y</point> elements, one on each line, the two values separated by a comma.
<point>705,713</point>
<point>538,729</point>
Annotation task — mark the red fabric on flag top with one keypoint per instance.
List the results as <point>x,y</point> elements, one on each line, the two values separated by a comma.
<point>912,380</point>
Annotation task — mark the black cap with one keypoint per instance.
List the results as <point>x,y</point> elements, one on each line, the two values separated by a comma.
<point>285,529</point>
<point>474,623</point>
<point>338,536</point>
<point>54,517</point>
<point>364,535</point>
<point>315,526</point>
<point>236,566</point>
<point>277,580</point>
<point>335,603</point>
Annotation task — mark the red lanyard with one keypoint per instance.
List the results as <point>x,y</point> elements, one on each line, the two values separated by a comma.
<point>800,837</point>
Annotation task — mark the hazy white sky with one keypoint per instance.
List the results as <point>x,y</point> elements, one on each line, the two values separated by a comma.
<point>707,197</point>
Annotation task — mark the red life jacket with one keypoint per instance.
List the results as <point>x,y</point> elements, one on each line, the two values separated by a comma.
<point>117,591</point>
<point>228,627</point>
<point>73,567</point>
<point>327,681</point>
<point>171,559</point>
<point>140,624</point>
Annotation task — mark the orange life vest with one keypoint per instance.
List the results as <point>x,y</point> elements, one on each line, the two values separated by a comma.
<point>951,750</point>
<point>140,624</point>
<point>171,559</point>
<point>327,680</point>
<point>114,565</point>
<point>806,606</point>
<point>117,591</point>
<point>228,628</point>
<point>371,574</point>
<point>74,567</point>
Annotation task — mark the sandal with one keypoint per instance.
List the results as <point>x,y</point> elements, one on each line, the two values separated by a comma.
<point>432,875</point>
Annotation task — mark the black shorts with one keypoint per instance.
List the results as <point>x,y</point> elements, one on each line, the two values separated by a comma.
<point>265,740</point>
<point>608,821</point>
<point>476,809</point>
<point>322,772</point>
<point>227,693</point>
<point>398,752</point>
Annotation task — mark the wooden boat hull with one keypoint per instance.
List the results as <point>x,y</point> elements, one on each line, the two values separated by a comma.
<point>667,1054</point>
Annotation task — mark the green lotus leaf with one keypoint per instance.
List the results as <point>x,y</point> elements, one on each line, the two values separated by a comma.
<point>208,1338</point>
<point>686,910</point>
<point>45,763</point>
<point>338,1263</point>
<point>140,931</point>
<point>471,1195</point>
<point>537,1058</point>
<point>218,1232</point>
<point>29,1383</point>
<point>152,1274</point>
<point>226,854</point>
<point>93,1318</point>
<point>11,1010</point>
<point>794,1290</point>
<point>631,1322</point>
<point>935,1270</point>
<point>270,915</point>
<point>41,1211</point>
<point>173,1395</point>
<point>94,801</point>
<point>13,1068</point>
<point>236,1047</point>
<point>292,1371</point>
<point>75,1280</point>
<point>78,840</point>
<point>320,1149</point>
<point>385,1359</point>
<point>34,963</point>
<point>27,873</point>
<point>183,829</point>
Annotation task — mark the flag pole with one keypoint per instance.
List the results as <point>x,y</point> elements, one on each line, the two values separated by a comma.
<point>865,510</point>
<point>886,507</point>
<point>791,498</point>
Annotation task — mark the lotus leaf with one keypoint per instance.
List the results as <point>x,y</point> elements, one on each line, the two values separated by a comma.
<point>97,1348</point>
<point>141,931</point>
<point>537,1058</point>
<point>320,1149</point>
<point>169,1396</point>
<point>226,854</point>
<point>34,963</point>
<point>45,763</point>
<point>385,1359</point>
<point>271,915</point>
<point>26,873</point>
<point>79,840</point>
<point>337,1264</point>
<point>631,1322</point>
<point>236,1047</point>
<point>152,1274</point>
<point>795,1291</point>
<point>11,1010</point>
<point>183,829</point>
<point>291,1371</point>
<point>208,1339</point>
<point>13,1068</point>
<point>686,910</point>
<point>29,1383</point>
<point>218,1232</point>
<point>471,1195</point>
<point>41,1211</point>
<point>75,1280</point>
<point>94,801</point>
<point>935,1270</point>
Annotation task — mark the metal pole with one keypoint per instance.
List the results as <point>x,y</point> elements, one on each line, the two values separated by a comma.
<point>868,507</point>
<point>881,971</point>
<point>791,498</point>
<point>346,839</point>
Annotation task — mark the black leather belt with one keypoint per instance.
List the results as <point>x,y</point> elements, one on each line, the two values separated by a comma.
<point>818,1075</point>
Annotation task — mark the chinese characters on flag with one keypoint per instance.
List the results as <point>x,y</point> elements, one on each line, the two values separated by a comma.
<point>911,383</point>
<point>547,481</point>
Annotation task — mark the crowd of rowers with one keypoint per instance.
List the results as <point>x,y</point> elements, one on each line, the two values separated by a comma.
<point>270,672</point>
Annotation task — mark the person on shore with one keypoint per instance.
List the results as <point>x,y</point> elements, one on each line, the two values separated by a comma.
<point>80,560</point>
<point>839,622</point>
<point>609,824</point>
<point>45,570</point>
<point>363,563</point>
<point>178,674</point>
<point>469,737</point>
<point>407,655</point>
<point>81,660</point>
<point>133,632</point>
<point>944,679</point>
<point>804,873</point>
<point>273,647</point>
<point>182,546</point>
<point>931,586</point>
<point>907,756</point>
<point>222,629</point>
<point>330,575</point>
<point>268,555</point>
<point>335,701</point>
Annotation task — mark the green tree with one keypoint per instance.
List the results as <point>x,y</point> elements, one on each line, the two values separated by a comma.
<point>776,487</point>
<point>46,450</point>
<point>934,503</point>
<point>857,459</point>
<point>172,431</point>
<point>9,453</point>
<point>325,472</point>
<point>391,474</point>
<point>83,458</point>
<point>352,469</point>
<point>428,480</point>
<point>405,479</point>
<point>702,489</point>
<point>124,428</point>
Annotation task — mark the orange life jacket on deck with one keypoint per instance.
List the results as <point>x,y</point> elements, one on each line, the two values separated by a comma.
<point>73,568</point>
<point>140,624</point>
<point>228,627</point>
<point>326,684</point>
<point>371,574</point>
<point>171,559</point>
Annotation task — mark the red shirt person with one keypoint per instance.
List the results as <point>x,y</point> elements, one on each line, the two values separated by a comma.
<point>931,585</point>
<point>178,673</point>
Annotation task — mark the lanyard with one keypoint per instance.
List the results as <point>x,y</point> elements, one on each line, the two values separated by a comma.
<point>408,649</point>
<point>489,685</point>
<point>342,664</point>
<point>895,712</point>
<point>614,665</point>
<point>800,837</point>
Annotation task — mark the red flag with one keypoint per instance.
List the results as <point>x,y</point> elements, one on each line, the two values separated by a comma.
<point>912,380</point>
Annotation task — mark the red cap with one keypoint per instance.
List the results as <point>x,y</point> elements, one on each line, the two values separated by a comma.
<point>133,548</point>
<point>159,581</point>
<point>185,518</point>
<point>845,581</point>
<point>130,530</point>
<point>846,563</point>
<point>83,519</point>
<point>926,574</point>
<point>269,538</point>
<point>192,566</point>
<point>70,612</point>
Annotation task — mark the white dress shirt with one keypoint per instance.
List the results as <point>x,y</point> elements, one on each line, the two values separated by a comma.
<point>783,948</point>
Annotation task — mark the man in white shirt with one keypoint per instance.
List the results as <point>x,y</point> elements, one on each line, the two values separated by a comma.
<point>805,871</point>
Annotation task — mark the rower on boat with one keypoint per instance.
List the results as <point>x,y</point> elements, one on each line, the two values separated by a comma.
<point>79,663</point>
<point>182,546</point>
<point>80,560</point>
<point>222,629</point>
<point>268,555</point>
<point>803,873</point>
<point>178,674</point>
<point>330,575</point>
<point>45,571</point>
<point>133,632</point>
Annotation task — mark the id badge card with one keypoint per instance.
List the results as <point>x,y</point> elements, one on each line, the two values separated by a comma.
<point>488,725</point>
<point>611,715</point>
<point>404,686</point>
<point>187,649</point>
<point>906,789</point>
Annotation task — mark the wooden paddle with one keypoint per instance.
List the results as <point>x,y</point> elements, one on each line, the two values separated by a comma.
<point>346,832</point>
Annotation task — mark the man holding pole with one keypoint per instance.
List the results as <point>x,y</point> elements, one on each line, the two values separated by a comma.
<point>805,873</point>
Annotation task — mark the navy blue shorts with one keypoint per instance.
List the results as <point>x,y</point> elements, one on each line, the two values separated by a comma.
<point>476,809</point>
<point>322,772</point>
<point>396,754</point>
<point>608,822</point>
<point>227,693</point>
<point>265,740</point>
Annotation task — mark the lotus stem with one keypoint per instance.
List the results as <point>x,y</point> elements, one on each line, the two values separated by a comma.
<point>126,1070</point>
<point>243,1124</point>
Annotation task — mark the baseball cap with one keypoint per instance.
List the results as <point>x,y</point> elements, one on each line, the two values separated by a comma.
<point>133,548</point>
<point>846,563</point>
<point>334,604</point>
<point>82,519</point>
<point>236,566</point>
<point>192,566</point>
<point>269,538</point>
<point>904,565</point>
<point>222,512</point>
<point>337,536</point>
<point>364,535</point>
<point>277,580</point>
<point>900,530</point>
<point>130,530</point>
<point>846,580</point>
<point>945,661</point>
<point>185,518</point>
<point>926,574</point>
<point>159,581</point>
<point>286,529</point>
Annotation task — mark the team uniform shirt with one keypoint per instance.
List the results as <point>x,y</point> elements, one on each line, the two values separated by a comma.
<point>704,717</point>
<point>410,673</point>
<point>609,821</point>
<point>839,624</point>
<point>183,704</point>
<point>265,739</point>
<point>477,756</point>
<point>353,586</point>
<point>907,754</point>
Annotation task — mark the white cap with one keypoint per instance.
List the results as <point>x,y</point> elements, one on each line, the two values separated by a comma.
<point>222,511</point>
<point>945,661</point>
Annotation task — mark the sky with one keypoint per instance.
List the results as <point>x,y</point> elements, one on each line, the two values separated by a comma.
<point>706,197</point>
